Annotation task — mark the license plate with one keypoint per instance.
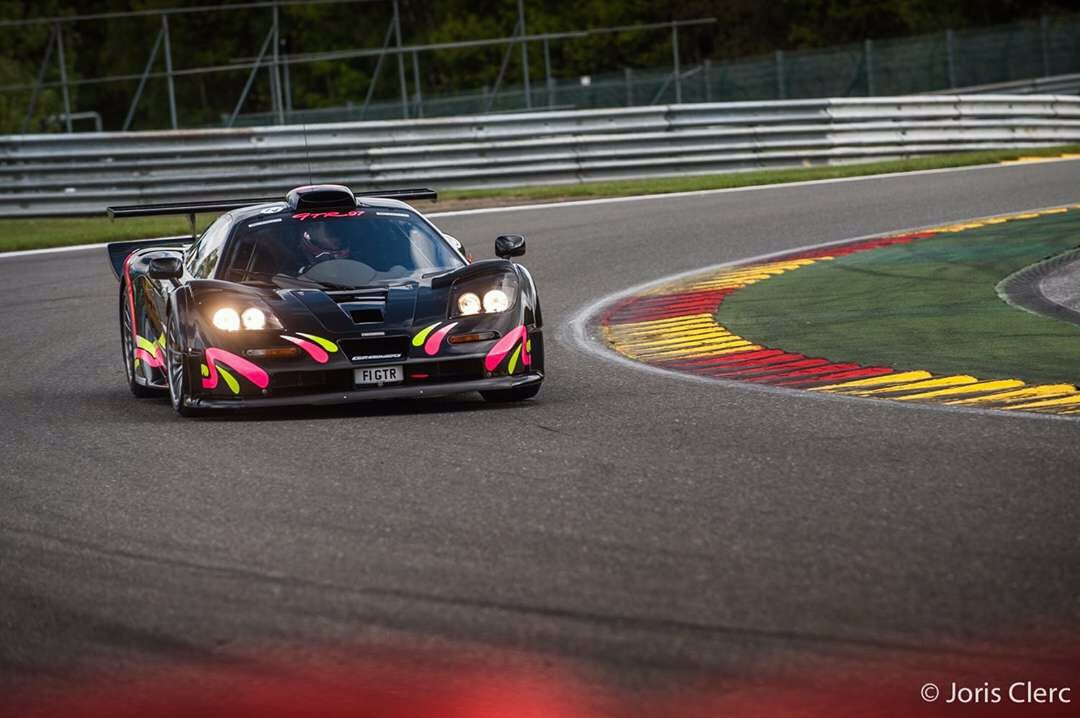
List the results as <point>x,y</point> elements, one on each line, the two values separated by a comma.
<point>380,375</point>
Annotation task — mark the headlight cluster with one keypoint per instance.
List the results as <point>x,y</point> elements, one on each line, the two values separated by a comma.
<point>487,295</point>
<point>249,318</point>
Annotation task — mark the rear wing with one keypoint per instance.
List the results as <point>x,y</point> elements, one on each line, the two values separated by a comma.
<point>192,208</point>
<point>119,251</point>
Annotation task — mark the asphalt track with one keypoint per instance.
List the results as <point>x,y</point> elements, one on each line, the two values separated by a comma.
<point>644,526</point>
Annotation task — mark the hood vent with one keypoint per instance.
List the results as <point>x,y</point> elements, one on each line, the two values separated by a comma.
<point>364,306</point>
<point>377,295</point>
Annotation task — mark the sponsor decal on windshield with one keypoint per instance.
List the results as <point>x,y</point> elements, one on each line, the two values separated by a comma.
<point>327,215</point>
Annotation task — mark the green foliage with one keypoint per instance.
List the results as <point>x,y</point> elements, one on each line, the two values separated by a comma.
<point>122,46</point>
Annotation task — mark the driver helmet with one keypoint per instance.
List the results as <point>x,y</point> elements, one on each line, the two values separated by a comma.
<point>318,241</point>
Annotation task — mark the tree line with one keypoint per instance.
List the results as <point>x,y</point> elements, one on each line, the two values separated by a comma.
<point>213,38</point>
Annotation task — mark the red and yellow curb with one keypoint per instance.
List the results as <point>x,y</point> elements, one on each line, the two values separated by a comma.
<point>673,326</point>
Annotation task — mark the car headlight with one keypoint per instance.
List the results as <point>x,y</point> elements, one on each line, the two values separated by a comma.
<point>484,295</point>
<point>246,316</point>
<point>227,320</point>
<point>253,319</point>
<point>468,303</point>
<point>496,301</point>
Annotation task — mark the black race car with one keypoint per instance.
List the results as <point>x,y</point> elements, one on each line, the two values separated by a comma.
<point>326,297</point>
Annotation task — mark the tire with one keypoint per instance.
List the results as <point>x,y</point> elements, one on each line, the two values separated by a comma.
<point>508,395</point>
<point>176,368</point>
<point>127,346</point>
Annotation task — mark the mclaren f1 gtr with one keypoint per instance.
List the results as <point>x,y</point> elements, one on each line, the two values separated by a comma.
<point>327,296</point>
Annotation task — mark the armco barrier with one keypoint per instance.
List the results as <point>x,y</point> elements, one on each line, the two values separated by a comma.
<point>72,174</point>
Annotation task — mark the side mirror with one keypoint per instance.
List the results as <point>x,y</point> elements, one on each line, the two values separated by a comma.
<point>454,242</point>
<point>509,245</point>
<point>165,268</point>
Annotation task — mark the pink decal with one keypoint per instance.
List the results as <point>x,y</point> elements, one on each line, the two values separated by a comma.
<point>314,350</point>
<point>431,346</point>
<point>131,296</point>
<point>242,366</point>
<point>327,215</point>
<point>503,347</point>
<point>150,359</point>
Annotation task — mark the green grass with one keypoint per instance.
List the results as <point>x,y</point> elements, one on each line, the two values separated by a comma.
<point>662,185</point>
<point>927,305</point>
<point>18,234</point>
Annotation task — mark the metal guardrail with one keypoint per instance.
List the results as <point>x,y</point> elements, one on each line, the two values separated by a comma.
<point>73,174</point>
<point>1056,85</point>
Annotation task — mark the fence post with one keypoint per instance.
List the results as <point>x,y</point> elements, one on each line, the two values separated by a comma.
<point>275,69</point>
<point>524,54</point>
<point>547,75</point>
<point>40,80</point>
<point>1044,37</point>
<point>416,83</point>
<point>868,55</point>
<point>142,81</point>
<point>169,83</point>
<point>950,57</point>
<point>63,76</point>
<point>400,62</point>
<point>781,91</point>
<point>675,62</point>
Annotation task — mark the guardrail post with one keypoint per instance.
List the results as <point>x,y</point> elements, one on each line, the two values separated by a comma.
<point>63,77</point>
<point>781,91</point>
<point>868,55</point>
<point>707,72</point>
<point>524,54</point>
<point>400,62</point>
<point>627,73</point>
<point>168,69</point>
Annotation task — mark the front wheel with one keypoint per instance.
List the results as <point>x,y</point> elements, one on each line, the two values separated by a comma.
<point>176,368</point>
<point>520,393</point>
<point>127,346</point>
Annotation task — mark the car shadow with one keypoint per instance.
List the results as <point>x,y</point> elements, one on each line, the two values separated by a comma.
<point>361,410</point>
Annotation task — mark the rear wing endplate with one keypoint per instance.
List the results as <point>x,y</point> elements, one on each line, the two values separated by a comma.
<point>119,251</point>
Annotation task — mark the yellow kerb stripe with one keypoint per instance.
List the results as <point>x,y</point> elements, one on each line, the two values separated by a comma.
<point>1045,391</point>
<point>901,378</point>
<point>967,389</point>
<point>939,382</point>
<point>1046,403</point>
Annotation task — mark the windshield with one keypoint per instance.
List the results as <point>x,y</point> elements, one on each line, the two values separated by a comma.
<point>368,246</point>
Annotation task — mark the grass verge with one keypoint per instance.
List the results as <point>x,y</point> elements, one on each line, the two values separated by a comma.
<point>930,305</point>
<point>16,234</point>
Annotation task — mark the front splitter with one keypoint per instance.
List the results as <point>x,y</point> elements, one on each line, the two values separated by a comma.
<point>412,391</point>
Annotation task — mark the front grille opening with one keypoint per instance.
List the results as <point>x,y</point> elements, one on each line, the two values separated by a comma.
<point>367,315</point>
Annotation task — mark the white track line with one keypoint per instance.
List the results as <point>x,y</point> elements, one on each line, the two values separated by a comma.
<point>617,200</point>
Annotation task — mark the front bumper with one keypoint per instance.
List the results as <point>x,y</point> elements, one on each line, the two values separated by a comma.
<point>407,391</point>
